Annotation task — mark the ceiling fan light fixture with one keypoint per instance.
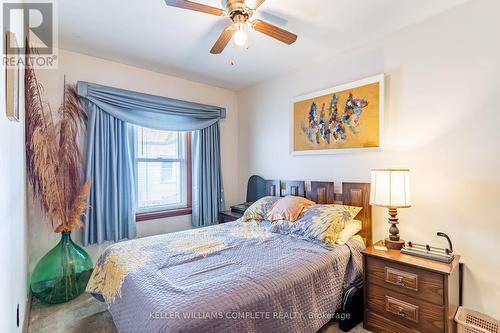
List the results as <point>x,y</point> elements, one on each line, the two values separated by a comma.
<point>240,35</point>
<point>240,15</point>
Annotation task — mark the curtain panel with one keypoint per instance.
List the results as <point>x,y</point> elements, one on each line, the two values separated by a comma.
<point>110,163</point>
<point>208,194</point>
<point>110,149</point>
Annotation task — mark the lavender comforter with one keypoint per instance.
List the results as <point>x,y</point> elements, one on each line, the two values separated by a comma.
<point>235,277</point>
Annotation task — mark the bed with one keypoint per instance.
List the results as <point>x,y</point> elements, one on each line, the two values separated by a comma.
<point>234,277</point>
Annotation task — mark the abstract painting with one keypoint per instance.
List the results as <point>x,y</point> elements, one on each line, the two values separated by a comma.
<point>339,119</point>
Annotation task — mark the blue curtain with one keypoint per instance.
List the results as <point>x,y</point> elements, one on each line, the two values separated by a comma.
<point>151,111</point>
<point>110,158</point>
<point>112,114</point>
<point>208,194</point>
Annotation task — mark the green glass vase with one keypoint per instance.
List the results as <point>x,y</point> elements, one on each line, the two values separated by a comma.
<point>62,274</point>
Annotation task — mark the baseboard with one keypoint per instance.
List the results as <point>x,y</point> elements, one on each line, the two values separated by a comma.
<point>27,312</point>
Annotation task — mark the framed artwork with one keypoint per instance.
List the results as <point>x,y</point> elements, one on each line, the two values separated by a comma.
<point>345,118</point>
<point>12,82</point>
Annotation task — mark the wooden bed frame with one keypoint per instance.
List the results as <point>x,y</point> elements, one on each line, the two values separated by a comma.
<point>353,194</point>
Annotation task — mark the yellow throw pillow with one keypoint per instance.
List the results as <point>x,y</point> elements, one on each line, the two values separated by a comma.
<point>342,215</point>
<point>289,208</point>
<point>318,222</point>
<point>351,228</point>
<point>259,209</point>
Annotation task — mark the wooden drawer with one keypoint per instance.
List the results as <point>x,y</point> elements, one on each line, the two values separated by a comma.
<point>407,311</point>
<point>413,282</point>
<point>402,309</point>
<point>376,323</point>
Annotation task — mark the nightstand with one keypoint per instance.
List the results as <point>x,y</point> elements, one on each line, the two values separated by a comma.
<point>229,216</point>
<point>407,294</point>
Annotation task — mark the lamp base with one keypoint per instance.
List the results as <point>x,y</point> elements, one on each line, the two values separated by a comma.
<point>393,242</point>
<point>394,245</point>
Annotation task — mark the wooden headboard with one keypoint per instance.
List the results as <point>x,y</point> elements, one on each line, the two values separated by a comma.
<point>353,194</point>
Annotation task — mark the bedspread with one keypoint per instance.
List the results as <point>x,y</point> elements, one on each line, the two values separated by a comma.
<point>234,277</point>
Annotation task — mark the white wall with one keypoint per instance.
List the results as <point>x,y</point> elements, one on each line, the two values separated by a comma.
<point>13,224</point>
<point>442,121</point>
<point>79,67</point>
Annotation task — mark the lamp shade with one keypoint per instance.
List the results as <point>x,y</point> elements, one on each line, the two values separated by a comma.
<point>390,188</point>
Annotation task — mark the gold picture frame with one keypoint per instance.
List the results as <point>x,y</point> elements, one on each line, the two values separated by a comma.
<point>344,118</point>
<point>12,80</point>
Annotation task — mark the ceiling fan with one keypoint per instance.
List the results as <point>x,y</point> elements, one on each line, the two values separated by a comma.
<point>240,14</point>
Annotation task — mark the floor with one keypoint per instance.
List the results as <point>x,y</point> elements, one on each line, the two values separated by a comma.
<point>85,314</point>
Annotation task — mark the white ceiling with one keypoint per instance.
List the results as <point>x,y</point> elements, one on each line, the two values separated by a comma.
<point>148,34</point>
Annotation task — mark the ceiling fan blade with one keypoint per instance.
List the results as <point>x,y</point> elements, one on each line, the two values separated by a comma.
<point>274,32</point>
<point>254,4</point>
<point>195,6</point>
<point>221,43</point>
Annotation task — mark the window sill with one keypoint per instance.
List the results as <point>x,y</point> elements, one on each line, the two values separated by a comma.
<point>147,216</point>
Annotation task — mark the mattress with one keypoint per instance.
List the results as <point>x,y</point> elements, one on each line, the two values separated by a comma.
<point>234,277</point>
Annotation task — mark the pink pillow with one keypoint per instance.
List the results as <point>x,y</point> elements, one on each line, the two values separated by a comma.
<point>288,208</point>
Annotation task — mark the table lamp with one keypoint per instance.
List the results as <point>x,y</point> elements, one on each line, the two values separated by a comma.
<point>391,188</point>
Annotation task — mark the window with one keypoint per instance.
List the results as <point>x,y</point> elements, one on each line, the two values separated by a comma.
<point>163,173</point>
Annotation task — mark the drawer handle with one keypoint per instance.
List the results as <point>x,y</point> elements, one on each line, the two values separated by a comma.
<point>401,312</point>
<point>401,281</point>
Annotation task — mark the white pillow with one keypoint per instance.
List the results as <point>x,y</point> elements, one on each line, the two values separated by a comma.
<point>359,239</point>
<point>351,228</point>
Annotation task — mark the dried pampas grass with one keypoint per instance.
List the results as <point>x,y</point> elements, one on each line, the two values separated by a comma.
<point>80,205</point>
<point>53,157</point>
